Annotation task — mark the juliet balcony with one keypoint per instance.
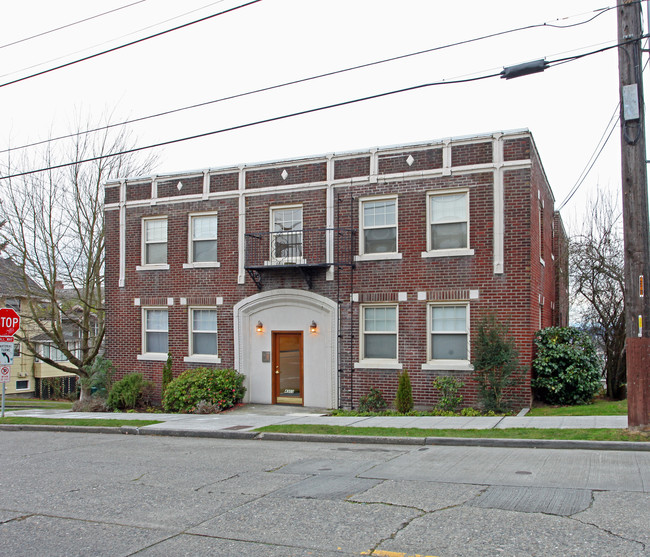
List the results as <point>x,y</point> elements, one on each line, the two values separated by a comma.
<point>307,251</point>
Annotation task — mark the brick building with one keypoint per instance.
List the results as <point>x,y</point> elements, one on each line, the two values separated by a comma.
<point>321,277</point>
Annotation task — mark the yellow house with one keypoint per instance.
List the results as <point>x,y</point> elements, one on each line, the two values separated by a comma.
<point>29,376</point>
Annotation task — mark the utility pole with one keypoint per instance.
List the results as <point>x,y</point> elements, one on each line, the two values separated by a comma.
<point>636,223</point>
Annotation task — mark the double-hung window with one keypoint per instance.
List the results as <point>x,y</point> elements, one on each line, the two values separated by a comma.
<point>379,332</point>
<point>203,335</point>
<point>448,224</point>
<point>449,335</point>
<point>286,235</point>
<point>155,331</point>
<point>379,228</point>
<point>154,242</point>
<point>203,240</point>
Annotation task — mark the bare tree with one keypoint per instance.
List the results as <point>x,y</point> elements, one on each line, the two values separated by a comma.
<point>55,235</point>
<point>597,285</point>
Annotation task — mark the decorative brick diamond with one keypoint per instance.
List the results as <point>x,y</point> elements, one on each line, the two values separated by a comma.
<point>284,174</point>
<point>179,186</point>
<point>410,160</point>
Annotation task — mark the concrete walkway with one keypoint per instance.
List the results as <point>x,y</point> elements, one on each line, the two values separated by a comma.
<point>251,416</point>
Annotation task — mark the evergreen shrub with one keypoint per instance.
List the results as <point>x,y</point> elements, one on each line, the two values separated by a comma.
<point>222,388</point>
<point>404,396</point>
<point>566,368</point>
<point>130,392</point>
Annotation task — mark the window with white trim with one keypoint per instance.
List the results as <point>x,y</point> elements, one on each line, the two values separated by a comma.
<point>22,385</point>
<point>154,241</point>
<point>155,331</point>
<point>203,332</point>
<point>448,223</point>
<point>449,333</point>
<point>203,238</point>
<point>379,226</point>
<point>13,303</point>
<point>379,332</point>
<point>286,237</point>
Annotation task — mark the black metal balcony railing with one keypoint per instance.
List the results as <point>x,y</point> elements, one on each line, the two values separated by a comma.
<point>308,249</point>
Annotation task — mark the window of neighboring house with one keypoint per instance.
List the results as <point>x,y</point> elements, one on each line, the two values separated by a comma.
<point>448,218</point>
<point>22,385</point>
<point>13,303</point>
<point>379,332</point>
<point>154,240</point>
<point>379,226</point>
<point>155,331</point>
<point>16,349</point>
<point>203,332</point>
<point>50,351</point>
<point>203,238</point>
<point>449,333</point>
<point>286,237</point>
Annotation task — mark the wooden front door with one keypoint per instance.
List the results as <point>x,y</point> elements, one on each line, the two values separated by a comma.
<point>287,368</point>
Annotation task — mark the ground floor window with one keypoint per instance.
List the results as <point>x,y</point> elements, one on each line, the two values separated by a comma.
<point>379,332</point>
<point>449,332</point>
<point>156,331</point>
<point>203,333</point>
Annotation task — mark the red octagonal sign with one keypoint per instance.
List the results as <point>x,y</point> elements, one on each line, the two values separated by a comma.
<point>9,322</point>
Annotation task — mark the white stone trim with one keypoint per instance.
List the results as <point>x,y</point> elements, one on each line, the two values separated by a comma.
<point>499,207</point>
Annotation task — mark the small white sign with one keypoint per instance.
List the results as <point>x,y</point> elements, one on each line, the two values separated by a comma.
<point>5,374</point>
<point>6,353</point>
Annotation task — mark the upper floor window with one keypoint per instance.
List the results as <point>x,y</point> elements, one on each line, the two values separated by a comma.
<point>448,224</point>
<point>286,235</point>
<point>449,333</point>
<point>379,332</point>
<point>13,303</point>
<point>154,239</point>
<point>379,227</point>
<point>203,243</point>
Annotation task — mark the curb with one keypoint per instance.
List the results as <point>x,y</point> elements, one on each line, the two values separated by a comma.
<point>352,439</point>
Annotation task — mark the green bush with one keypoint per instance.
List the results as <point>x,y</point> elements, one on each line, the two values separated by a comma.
<point>222,388</point>
<point>167,374</point>
<point>99,376</point>
<point>404,396</point>
<point>373,401</point>
<point>566,368</point>
<point>449,400</point>
<point>495,360</point>
<point>130,392</point>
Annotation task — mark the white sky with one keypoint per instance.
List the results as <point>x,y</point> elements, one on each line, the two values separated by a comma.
<point>567,107</point>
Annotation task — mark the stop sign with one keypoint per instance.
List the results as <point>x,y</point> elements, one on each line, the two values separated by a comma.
<point>9,322</point>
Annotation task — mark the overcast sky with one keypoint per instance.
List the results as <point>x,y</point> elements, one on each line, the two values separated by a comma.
<point>567,108</point>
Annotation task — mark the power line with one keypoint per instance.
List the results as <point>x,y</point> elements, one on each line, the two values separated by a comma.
<point>91,56</point>
<point>111,40</point>
<point>294,114</point>
<point>70,24</point>
<point>311,78</point>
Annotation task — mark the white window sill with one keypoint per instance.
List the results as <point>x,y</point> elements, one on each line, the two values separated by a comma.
<point>377,364</point>
<point>451,365</point>
<point>160,267</point>
<point>448,252</point>
<point>202,265</point>
<point>287,261</point>
<point>377,256</point>
<point>202,358</point>
<point>152,357</point>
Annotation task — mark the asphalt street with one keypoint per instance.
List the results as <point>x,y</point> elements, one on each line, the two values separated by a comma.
<point>89,494</point>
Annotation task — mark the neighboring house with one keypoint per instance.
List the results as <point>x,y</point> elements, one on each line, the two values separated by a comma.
<point>320,277</point>
<point>29,376</point>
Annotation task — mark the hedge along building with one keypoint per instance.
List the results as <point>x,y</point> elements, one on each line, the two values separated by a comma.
<point>321,277</point>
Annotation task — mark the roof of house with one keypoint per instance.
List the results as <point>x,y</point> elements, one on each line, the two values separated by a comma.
<point>11,281</point>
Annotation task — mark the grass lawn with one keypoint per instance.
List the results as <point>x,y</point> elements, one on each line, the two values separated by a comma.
<point>510,433</point>
<point>99,422</point>
<point>28,403</point>
<point>600,407</point>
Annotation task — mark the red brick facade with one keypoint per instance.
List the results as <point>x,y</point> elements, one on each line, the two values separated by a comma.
<point>514,263</point>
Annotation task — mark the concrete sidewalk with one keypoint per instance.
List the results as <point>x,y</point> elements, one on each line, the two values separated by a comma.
<point>251,416</point>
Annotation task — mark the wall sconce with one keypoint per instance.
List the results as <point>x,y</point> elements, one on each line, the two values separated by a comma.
<point>313,328</point>
<point>259,327</point>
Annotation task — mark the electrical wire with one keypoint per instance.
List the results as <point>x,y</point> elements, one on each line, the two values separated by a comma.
<point>97,54</point>
<point>68,25</point>
<point>298,113</point>
<point>111,40</point>
<point>307,79</point>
